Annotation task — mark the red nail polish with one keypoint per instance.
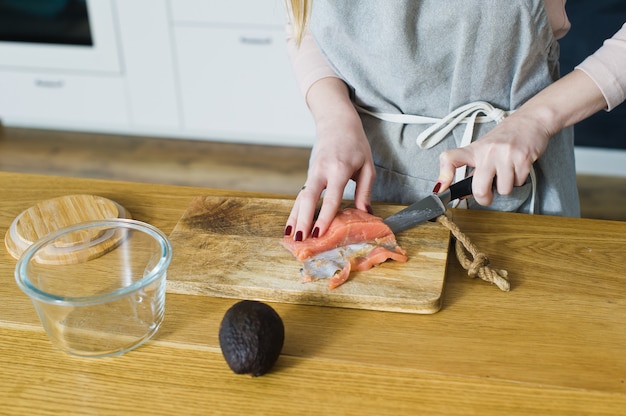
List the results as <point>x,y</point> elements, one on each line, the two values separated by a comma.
<point>316,232</point>
<point>288,230</point>
<point>298,236</point>
<point>437,188</point>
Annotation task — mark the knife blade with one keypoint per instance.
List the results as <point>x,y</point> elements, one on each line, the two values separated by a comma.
<point>428,208</point>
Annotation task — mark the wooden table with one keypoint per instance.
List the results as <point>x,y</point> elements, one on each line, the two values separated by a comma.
<point>555,344</point>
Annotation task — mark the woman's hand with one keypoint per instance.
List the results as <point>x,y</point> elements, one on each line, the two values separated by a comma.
<point>341,153</point>
<point>507,153</point>
<point>509,150</point>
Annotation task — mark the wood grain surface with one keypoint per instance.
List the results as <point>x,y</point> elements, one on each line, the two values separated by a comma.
<point>230,247</point>
<point>53,214</point>
<point>553,345</point>
<point>209,164</point>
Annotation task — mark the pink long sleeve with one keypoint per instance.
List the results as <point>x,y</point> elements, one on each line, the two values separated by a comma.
<point>555,9</point>
<point>308,63</point>
<point>607,68</point>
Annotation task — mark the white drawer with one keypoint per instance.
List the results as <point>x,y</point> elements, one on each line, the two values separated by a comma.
<point>57,99</point>
<point>237,82</point>
<point>236,12</point>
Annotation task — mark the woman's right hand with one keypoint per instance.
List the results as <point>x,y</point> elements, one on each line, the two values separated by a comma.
<point>341,153</point>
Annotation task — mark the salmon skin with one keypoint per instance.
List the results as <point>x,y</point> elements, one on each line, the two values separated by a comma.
<point>355,240</point>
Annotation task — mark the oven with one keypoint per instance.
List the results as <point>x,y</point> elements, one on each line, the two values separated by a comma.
<point>69,35</point>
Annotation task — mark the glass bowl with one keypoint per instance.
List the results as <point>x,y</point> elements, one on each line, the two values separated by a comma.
<point>98,286</point>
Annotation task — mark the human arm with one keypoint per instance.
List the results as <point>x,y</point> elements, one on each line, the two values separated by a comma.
<point>342,152</point>
<point>307,61</point>
<point>509,150</point>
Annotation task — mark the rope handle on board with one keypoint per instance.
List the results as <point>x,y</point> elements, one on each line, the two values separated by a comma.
<point>478,265</point>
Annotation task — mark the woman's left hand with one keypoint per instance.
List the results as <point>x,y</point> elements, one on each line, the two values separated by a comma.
<point>507,153</point>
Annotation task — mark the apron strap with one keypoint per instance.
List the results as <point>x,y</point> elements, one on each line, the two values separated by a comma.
<point>440,128</point>
<point>465,114</point>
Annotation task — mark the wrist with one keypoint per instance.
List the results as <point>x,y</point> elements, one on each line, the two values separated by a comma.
<point>329,102</point>
<point>564,103</point>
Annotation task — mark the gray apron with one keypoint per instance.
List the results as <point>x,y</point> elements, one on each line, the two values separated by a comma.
<point>425,60</point>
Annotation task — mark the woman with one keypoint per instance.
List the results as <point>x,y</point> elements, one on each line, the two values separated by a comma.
<point>398,91</point>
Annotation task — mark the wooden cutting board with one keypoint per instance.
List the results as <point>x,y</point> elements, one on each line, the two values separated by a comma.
<point>230,247</point>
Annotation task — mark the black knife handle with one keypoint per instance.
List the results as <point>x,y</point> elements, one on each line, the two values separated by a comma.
<point>461,188</point>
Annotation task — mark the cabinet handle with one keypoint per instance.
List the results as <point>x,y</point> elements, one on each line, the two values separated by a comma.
<point>49,83</point>
<point>248,40</point>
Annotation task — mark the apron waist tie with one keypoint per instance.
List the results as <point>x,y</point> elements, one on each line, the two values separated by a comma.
<point>440,128</point>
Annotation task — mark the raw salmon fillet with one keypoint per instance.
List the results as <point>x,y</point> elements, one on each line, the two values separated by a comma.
<point>355,240</point>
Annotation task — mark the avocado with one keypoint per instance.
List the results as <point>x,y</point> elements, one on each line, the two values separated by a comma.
<point>251,337</point>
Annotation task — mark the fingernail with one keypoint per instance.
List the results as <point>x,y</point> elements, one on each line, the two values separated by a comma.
<point>369,209</point>
<point>298,236</point>
<point>437,188</point>
<point>288,230</point>
<point>316,232</point>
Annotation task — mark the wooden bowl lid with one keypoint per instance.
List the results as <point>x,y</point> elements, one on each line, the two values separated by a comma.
<point>52,214</point>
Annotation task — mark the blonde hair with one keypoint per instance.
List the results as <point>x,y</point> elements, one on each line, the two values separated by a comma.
<point>300,11</point>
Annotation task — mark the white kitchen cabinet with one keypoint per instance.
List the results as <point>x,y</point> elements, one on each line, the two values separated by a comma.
<point>237,82</point>
<point>58,100</point>
<point>200,69</point>
<point>149,66</point>
<point>233,12</point>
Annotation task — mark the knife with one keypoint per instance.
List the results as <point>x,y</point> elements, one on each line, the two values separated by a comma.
<point>428,208</point>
